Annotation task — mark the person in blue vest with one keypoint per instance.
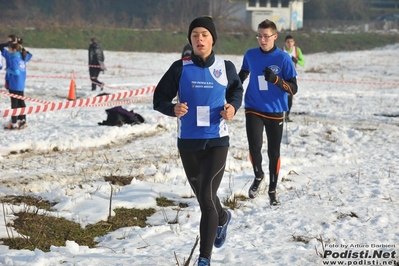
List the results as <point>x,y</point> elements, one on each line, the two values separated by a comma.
<point>209,92</point>
<point>297,58</point>
<point>272,79</point>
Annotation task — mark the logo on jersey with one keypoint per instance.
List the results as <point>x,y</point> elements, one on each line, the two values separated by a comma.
<point>217,73</point>
<point>21,65</point>
<point>276,69</point>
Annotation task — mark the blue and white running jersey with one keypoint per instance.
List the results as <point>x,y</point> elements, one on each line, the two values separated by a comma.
<point>204,90</point>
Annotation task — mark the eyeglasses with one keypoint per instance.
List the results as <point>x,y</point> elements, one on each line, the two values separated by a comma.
<point>266,37</point>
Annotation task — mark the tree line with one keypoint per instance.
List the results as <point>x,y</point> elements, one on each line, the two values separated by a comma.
<point>157,14</point>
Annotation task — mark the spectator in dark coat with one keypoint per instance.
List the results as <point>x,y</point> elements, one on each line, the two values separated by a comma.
<point>96,63</point>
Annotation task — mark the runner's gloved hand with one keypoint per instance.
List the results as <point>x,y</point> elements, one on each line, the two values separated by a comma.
<point>270,76</point>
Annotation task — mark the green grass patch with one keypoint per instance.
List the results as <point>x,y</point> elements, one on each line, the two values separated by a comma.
<point>234,43</point>
<point>44,230</point>
<point>234,202</point>
<point>164,202</point>
<point>39,203</point>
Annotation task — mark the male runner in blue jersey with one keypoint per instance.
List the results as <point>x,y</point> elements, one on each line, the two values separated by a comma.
<point>209,92</point>
<point>272,78</point>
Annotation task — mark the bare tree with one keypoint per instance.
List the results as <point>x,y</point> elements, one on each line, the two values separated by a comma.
<point>224,12</point>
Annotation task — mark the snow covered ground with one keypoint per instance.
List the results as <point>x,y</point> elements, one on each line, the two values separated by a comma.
<point>339,158</point>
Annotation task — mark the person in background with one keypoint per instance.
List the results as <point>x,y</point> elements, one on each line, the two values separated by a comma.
<point>186,50</point>
<point>272,78</point>
<point>12,38</point>
<point>297,58</point>
<point>209,92</point>
<point>16,57</point>
<point>96,63</point>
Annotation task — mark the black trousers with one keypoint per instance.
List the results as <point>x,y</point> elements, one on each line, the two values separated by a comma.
<point>274,134</point>
<point>204,170</point>
<point>17,103</point>
<point>94,73</point>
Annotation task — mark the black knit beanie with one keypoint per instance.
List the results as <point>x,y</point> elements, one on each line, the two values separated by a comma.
<point>206,22</point>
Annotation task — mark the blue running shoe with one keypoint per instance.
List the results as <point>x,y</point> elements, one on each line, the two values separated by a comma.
<point>203,262</point>
<point>222,232</point>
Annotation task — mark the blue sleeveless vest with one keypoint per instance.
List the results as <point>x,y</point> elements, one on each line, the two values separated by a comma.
<point>204,90</point>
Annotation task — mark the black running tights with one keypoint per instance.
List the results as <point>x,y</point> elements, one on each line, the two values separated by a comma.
<point>204,170</point>
<point>274,133</point>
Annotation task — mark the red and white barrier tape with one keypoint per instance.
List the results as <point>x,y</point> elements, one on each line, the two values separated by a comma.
<point>382,83</point>
<point>120,103</point>
<point>72,104</point>
<point>48,77</point>
<point>24,98</point>
<point>151,71</point>
<point>352,82</point>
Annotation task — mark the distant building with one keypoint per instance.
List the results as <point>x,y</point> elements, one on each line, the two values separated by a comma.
<point>288,15</point>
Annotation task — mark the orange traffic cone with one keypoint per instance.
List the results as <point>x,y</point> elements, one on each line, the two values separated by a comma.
<point>72,92</point>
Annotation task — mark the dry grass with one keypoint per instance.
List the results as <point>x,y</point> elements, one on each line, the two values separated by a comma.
<point>38,228</point>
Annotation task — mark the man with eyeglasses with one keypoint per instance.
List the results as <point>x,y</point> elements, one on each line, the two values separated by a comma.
<point>272,79</point>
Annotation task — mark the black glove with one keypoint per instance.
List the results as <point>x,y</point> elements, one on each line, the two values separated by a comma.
<point>270,76</point>
<point>294,59</point>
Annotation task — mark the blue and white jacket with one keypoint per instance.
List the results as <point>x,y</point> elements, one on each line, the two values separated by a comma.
<point>7,56</point>
<point>16,72</point>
